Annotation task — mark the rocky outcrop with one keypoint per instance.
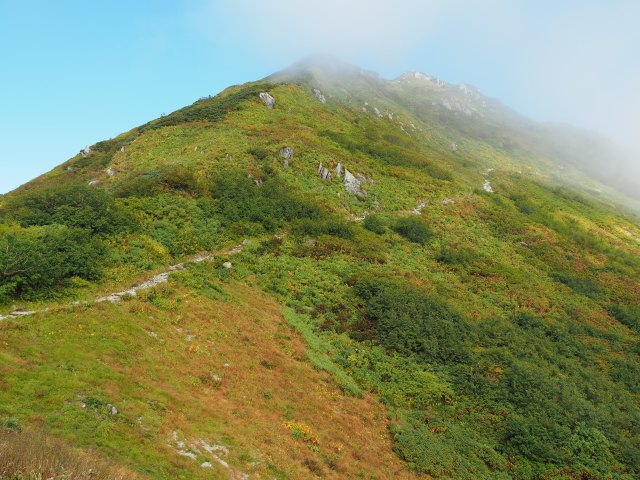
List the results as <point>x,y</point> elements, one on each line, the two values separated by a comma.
<point>339,169</point>
<point>324,172</point>
<point>352,184</point>
<point>111,172</point>
<point>377,112</point>
<point>454,147</point>
<point>286,152</point>
<point>86,151</point>
<point>268,100</point>
<point>94,183</point>
<point>321,98</point>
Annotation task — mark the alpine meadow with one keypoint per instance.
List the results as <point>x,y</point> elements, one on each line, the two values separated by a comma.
<point>324,274</point>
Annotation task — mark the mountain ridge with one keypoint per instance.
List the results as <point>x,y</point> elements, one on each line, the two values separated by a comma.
<point>422,292</point>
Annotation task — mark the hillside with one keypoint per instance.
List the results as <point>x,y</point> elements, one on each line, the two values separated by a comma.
<point>426,285</point>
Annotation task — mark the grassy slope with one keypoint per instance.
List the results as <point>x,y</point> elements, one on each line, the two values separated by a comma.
<point>533,246</point>
<point>160,367</point>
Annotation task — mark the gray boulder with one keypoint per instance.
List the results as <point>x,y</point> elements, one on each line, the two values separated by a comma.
<point>268,100</point>
<point>351,183</point>
<point>94,183</point>
<point>454,147</point>
<point>111,172</point>
<point>339,169</point>
<point>321,98</point>
<point>286,152</point>
<point>86,151</point>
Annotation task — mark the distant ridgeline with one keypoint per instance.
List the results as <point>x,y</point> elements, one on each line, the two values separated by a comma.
<point>438,259</point>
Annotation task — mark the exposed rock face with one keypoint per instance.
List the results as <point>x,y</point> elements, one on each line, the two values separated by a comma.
<point>86,151</point>
<point>286,152</point>
<point>111,172</point>
<point>351,183</point>
<point>448,201</point>
<point>377,112</point>
<point>454,147</point>
<point>419,208</point>
<point>227,265</point>
<point>455,106</point>
<point>321,98</point>
<point>324,172</point>
<point>486,186</point>
<point>112,410</point>
<point>122,149</point>
<point>339,169</point>
<point>268,100</point>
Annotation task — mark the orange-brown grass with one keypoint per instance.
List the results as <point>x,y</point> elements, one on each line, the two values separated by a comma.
<point>230,372</point>
<point>29,455</point>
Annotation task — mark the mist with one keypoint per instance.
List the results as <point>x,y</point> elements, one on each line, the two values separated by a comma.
<point>571,62</point>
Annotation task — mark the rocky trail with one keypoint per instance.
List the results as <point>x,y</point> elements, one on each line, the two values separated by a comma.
<point>157,279</point>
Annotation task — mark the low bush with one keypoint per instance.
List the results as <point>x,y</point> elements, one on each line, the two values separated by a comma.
<point>410,321</point>
<point>413,229</point>
<point>375,224</point>
<point>36,260</point>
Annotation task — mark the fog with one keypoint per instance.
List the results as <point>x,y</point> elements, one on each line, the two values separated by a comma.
<point>574,62</point>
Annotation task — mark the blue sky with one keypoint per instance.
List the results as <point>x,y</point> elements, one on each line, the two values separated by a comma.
<point>76,72</point>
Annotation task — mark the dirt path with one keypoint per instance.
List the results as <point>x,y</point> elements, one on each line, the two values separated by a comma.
<point>162,277</point>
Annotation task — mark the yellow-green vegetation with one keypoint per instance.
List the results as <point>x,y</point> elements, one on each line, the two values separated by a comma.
<point>463,314</point>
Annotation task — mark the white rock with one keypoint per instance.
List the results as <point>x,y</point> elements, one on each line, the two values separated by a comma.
<point>487,187</point>
<point>268,100</point>
<point>419,208</point>
<point>111,172</point>
<point>286,152</point>
<point>377,112</point>
<point>94,183</point>
<point>321,98</point>
<point>351,183</point>
<point>227,265</point>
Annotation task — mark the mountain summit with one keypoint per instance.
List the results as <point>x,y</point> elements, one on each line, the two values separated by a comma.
<point>324,274</point>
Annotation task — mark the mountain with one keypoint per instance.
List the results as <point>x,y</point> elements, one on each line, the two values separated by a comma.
<point>325,274</point>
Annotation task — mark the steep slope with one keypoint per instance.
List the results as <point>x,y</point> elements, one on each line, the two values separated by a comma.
<point>468,297</point>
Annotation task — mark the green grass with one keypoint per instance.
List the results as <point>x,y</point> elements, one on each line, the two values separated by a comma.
<point>498,330</point>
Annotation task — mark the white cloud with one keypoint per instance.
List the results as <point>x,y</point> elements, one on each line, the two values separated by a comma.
<point>573,61</point>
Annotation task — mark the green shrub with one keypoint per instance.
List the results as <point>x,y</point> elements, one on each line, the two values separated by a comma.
<point>36,260</point>
<point>270,204</point>
<point>375,224</point>
<point>409,321</point>
<point>326,226</point>
<point>627,373</point>
<point>456,256</point>
<point>76,206</point>
<point>413,229</point>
